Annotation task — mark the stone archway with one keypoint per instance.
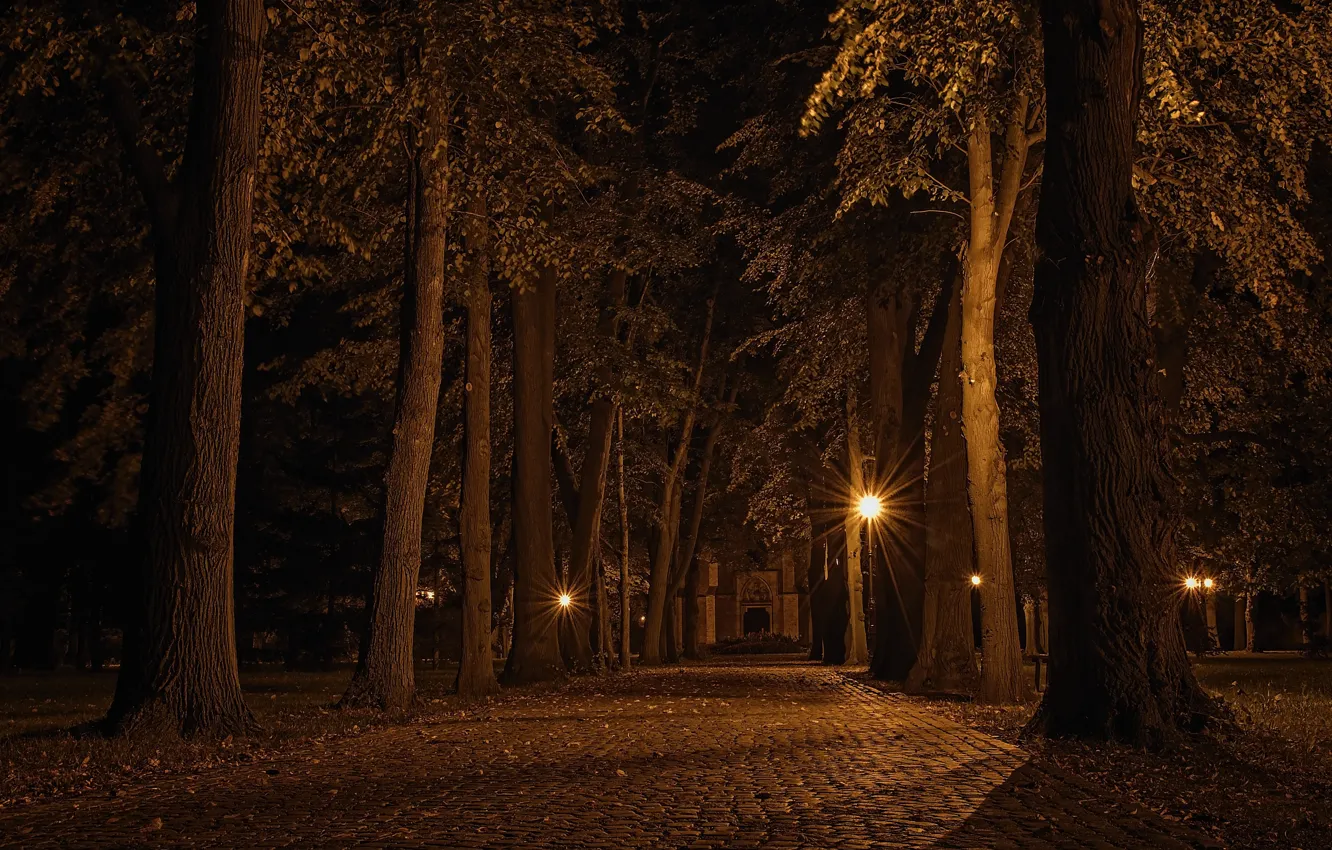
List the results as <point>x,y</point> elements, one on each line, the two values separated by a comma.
<point>755,609</point>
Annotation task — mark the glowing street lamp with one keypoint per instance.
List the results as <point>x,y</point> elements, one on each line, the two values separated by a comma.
<point>1208,583</point>
<point>1192,583</point>
<point>870,506</point>
<point>565,600</point>
<point>975,581</point>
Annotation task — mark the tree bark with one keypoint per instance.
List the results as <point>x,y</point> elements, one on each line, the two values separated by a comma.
<point>1118,668</point>
<point>987,484</point>
<point>180,672</point>
<point>659,578</point>
<point>625,612</point>
<point>1306,621</point>
<point>535,654</point>
<point>476,670</point>
<point>1250,626</point>
<point>888,323</point>
<point>1240,642</point>
<point>575,643</point>
<point>384,676</point>
<point>857,646</point>
<point>947,660</point>
<point>1176,308</point>
<point>1209,613</point>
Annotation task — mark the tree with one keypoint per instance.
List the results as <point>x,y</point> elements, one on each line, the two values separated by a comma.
<point>385,676</point>
<point>1117,665</point>
<point>180,672</point>
<point>476,669</point>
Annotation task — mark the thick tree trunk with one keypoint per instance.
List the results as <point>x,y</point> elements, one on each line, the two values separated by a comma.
<point>888,327</point>
<point>625,610</point>
<point>1118,667</point>
<point>384,676</point>
<point>1043,612</point>
<point>987,483</point>
<point>576,626</point>
<point>660,576</point>
<point>947,660</point>
<point>535,655</point>
<point>817,576</point>
<point>857,646</point>
<point>476,670</point>
<point>180,671</point>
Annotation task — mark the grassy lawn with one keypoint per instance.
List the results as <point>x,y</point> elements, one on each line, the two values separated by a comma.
<point>1277,693</point>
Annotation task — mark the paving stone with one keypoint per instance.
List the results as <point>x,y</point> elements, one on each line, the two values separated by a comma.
<point>767,755</point>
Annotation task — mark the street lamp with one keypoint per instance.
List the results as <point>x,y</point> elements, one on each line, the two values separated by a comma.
<point>1208,583</point>
<point>565,600</point>
<point>975,581</point>
<point>1192,583</point>
<point>870,506</point>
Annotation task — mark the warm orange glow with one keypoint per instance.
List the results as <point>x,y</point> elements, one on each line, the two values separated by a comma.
<point>1208,583</point>
<point>870,506</point>
<point>975,581</point>
<point>565,600</point>
<point>1192,583</point>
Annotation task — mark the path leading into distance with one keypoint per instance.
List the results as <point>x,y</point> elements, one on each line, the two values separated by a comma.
<point>727,755</point>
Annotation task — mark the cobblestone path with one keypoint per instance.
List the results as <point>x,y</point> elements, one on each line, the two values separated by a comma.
<point>775,756</point>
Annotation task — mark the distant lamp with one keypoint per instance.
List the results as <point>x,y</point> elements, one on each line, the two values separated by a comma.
<point>870,506</point>
<point>642,620</point>
<point>565,600</point>
<point>975,581</point>
<point>1192,583</point>
<point>1208,583</point>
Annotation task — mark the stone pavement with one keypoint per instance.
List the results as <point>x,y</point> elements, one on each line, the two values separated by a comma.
<point>730,755</point>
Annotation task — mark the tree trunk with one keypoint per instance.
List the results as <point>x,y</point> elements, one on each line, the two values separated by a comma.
<point>1250,626</point>
<point>888,328</point>
<point>180,671</point>
<point>476,670</point>
<point>1209,611</point>
<point>1029,618</point>
<point>625,612</point>
<point>535,654</point>
<point>1118,667</point>
<point>659,578</point>
<point>1043,611</point>
<point>818,573</point>
<point>947,660</point>
<point>857,646</point>
<point>1306,621</point>
<point>987,485</point>
<point>384,676</point>
<point>1240,642</point>
<point>575,643</point>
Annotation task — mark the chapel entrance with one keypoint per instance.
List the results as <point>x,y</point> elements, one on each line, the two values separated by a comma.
<point>757,620</point>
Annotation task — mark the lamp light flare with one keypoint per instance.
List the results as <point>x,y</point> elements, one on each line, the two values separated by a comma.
<point>1208,583</point>
<point>975,581</point>
<point>565,600</point>
<point>1192,583</point>
<point>870,506</point>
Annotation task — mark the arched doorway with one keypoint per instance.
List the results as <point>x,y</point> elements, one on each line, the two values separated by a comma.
<point>757,620</point>
<point>755,607</point>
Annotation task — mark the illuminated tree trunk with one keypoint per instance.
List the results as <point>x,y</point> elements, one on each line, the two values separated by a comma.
<point>625,611</point>
<point>1250,627</point>
<point>576,625</point>
<point>476,671</point>
<point>857,647</point>
<point>1209,611</point>
<point>660,577</point>
<point>384,676</point>
<point>1240,642</point>
<point>1306,621</point>
<point>947,660</point>
<point>888,328</point>
<point>535,654</point>
<point>987,484</point>
<point>1118,667</point>
<point>180,671</point>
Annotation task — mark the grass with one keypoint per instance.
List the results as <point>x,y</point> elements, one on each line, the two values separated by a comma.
<point>40,758</point>
<point>1263,782</point>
